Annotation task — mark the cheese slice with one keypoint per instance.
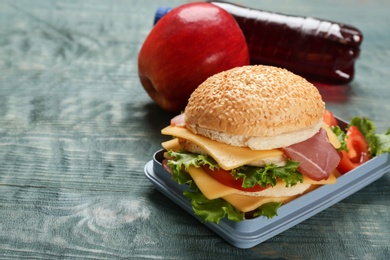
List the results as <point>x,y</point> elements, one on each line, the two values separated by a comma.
<point>172,144</point>
<point>331,180</point>
<point>210,187</point>
<point>228,157</point>
<point>332,137</point>
<point>246,203</point>
<point>213,189</point>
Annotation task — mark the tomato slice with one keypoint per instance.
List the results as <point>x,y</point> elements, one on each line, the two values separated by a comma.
<point>329,118</point>
<point>358,152</point>
<point>227,179</point>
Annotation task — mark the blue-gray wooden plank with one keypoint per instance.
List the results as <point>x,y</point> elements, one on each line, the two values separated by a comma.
<point>76,129</point>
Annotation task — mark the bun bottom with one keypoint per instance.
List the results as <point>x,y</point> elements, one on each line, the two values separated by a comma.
<point>280,190</point>
<point>259,142</point>
<point>194,148</point>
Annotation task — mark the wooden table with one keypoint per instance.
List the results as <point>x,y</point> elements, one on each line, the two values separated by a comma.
<point>77,128</point>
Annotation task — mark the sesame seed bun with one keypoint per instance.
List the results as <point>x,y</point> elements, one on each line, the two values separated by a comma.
<point>261,107</point>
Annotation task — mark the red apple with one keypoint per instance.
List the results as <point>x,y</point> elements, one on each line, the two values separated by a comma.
<point>186,46</point>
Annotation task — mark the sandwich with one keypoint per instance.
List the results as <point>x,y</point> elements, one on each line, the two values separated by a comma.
<point>250,139</point>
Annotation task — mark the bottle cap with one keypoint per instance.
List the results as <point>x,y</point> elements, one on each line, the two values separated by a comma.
<point>161,11</point>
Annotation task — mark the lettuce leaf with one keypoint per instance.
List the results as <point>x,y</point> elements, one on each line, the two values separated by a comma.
<point>207,210</point>
<point>378,143</point>
<point>268,175</point>
<point>367,128</point>
<point>341,137</point>
<point>212,210</point>
<point>383,143</point>
<point>268,210</point>
<point>183,160</point>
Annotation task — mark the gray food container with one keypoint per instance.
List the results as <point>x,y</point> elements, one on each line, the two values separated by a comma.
<point>250,232</point>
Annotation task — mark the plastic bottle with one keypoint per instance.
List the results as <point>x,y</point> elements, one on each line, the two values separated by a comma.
<point>319,50</point>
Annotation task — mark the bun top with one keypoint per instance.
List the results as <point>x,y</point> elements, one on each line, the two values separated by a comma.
<point>254,101</point>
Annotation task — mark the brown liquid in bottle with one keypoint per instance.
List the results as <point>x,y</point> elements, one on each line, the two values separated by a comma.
<point>318,50</point>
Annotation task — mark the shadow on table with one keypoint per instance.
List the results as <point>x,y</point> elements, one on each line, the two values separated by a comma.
<point>156,118</point>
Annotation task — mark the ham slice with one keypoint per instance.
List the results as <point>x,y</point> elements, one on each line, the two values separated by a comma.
<point>179,120</point>
<point>316,156</point>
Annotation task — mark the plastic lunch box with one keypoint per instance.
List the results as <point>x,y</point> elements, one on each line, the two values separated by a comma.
<point>250,232</point>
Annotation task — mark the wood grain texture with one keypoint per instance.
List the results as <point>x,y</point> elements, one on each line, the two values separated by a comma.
<point>77,128</point>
